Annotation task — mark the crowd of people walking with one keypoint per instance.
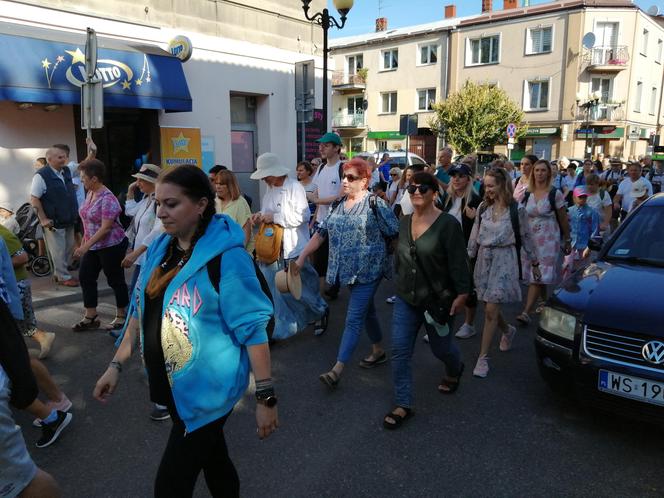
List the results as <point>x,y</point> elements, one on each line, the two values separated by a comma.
<point>213,283</point>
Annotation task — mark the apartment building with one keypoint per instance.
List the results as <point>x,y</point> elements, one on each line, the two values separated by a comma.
<point>587,73</point>
<point>237,85</point>
<point>383,75</point>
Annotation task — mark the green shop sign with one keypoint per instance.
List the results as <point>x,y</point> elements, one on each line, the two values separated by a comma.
<point>385,135</point>
<point>600,132</point>
<point>538,132</point>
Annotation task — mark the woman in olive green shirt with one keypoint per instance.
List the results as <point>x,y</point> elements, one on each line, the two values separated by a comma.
<point>431,254</point>
<point>231,202</point>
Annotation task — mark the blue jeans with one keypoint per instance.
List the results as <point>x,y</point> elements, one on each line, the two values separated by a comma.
<point>406,321</point>
<point>361,313</point>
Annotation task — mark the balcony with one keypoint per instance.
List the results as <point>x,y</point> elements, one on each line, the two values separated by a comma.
<point>607,59</point>
<point>348,83</point>
<point>603,113</point>
<point>345,120</point>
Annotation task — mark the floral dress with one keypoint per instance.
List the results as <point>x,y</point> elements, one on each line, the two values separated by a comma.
<point>546,236</point>
<point>494,244</point>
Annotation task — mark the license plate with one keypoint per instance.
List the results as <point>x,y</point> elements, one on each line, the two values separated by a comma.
<point>628,386</point>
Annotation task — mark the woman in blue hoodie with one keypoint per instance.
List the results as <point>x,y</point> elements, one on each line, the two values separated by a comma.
<point>202,320</point>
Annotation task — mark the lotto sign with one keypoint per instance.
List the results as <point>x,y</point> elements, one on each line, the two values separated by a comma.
<point>511,130</point>
<point>180,146</point>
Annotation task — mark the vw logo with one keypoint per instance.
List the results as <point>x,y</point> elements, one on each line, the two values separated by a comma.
<point>653,352</point>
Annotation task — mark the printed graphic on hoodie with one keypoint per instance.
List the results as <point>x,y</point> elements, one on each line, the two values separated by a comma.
<point>175,342</point>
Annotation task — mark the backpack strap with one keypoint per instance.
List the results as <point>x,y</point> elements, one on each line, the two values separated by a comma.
<point>214,273</point>
<point>514,219</point>
<point>552,203</point>
<point>602,193</point>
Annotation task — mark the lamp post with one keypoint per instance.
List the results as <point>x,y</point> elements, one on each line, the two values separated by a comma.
<point>326,21</point>
<point>588,105</point>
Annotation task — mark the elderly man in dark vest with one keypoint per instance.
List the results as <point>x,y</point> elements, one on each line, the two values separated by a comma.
<point>53,195</point>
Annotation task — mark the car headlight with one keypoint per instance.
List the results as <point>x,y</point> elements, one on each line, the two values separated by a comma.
<point>558,323</point>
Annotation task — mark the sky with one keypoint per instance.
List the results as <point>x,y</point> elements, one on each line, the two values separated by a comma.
<point>362,17</point>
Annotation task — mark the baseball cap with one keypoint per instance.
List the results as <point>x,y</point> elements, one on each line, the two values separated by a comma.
<point>639,188</point>
<point>580,192</point>
<point>330,138</point>
<point>460,169</point>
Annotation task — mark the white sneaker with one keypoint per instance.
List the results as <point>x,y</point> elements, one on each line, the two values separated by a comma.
<point>482,367</point>
<point>507,338</point>
<point>391,299</point>
<point>426,338</point>
<point>465,332</point>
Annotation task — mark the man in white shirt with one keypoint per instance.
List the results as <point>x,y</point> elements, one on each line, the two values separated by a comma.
<point>285,204</point>
<point>328,180</point>
<point>624,199</point>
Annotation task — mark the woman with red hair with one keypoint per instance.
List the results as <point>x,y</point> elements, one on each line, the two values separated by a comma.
<point>357,228</point>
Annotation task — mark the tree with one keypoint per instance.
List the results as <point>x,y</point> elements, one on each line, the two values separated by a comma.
<point>476,117</point>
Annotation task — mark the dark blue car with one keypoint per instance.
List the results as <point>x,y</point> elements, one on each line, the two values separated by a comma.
<point>601,334</point>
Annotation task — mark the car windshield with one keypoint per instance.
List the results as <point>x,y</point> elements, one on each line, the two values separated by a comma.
<point>642,240</point>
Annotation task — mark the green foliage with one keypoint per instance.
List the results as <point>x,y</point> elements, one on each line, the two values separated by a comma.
<point>363,72</point>
<point>476,118</point>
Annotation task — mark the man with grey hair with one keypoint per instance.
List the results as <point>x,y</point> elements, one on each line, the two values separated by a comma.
<point>53,195</point>
<point>443,165</point>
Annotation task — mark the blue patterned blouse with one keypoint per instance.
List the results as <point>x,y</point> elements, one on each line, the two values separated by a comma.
<point>357,246</point>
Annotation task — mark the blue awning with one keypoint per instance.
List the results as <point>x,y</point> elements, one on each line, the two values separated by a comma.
<point>52,72</point>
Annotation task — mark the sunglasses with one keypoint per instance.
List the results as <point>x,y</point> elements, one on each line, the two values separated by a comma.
<point>422,188</point>
<point>351,178</point>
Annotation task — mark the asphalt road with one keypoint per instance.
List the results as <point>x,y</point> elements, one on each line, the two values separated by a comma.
<point>506,435</point>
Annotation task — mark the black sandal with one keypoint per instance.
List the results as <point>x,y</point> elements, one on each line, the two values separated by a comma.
<point>321,326</point>
<point>451,385</point>
<point>330,379</point>
<point>373,361</point>
<point>117,323</point>
<point>88,323</point>
<point>398,419</point>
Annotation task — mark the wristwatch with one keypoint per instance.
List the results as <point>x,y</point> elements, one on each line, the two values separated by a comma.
<point>270,401</point>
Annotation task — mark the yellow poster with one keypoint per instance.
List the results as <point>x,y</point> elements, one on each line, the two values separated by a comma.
<point>180,146</point>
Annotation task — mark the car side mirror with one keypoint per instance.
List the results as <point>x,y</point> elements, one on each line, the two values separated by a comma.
<point>595,243</point>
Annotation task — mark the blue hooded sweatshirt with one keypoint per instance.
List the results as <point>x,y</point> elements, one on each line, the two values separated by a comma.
<point>205,334</point>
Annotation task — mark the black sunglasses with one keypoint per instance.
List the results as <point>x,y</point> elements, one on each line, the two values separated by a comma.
<point>351,178</point>
<point>422,188</point>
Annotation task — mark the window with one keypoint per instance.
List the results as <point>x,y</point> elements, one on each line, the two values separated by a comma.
<point>484,50</point>
<point>540,40</point>
<point>389,102</point>
<point>638,96</point>
<point>537,95</point>
<point>355,62</point>
<point>381,144</point>
<point>604,87</point>
<point>425,99</point>
<point>390,59</point>
<point>428,54</point>
<point>355,105</point>
<point>653,101</point>
<point>660,51</point>
<point>644,42</point>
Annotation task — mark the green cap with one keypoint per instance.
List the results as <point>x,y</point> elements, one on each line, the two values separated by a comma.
<point>330,138</point>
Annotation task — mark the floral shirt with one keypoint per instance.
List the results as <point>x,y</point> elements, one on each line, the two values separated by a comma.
<point>105,206</point>
<point>357,245</point>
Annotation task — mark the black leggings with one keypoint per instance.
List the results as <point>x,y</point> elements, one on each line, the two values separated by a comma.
<point>185,456</point>
<point>107,259</point>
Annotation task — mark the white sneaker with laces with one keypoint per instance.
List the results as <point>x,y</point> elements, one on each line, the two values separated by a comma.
<point>465,332</point>
<point>507,338</point>
<point>391,299</point>
<point>482,367</point>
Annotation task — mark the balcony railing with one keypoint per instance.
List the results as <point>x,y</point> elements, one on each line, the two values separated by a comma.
<point>608,57</point>
<point>341,79</point>
<point>603,113</point>
<point>345,120</point>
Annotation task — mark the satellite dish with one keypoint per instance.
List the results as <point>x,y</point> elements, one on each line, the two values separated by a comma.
<point>588,40</point>
<point>653,11</point>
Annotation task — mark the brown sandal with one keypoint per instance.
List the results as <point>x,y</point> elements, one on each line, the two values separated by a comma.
<point>330,379</point>
<point>88,323</point>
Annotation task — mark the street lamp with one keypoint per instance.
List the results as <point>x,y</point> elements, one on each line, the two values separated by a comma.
<point>588,105</point>
<point>326,21</point>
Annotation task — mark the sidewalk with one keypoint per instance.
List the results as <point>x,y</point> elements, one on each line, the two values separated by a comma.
<point>47,293</point>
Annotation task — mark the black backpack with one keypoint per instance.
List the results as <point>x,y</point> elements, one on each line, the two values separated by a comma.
<point>214,272</point>
<point>516,228</point>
